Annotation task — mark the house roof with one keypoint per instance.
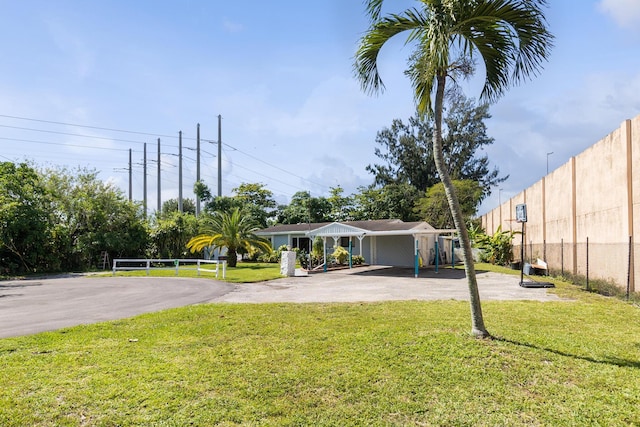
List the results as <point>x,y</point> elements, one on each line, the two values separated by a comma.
<point>346,228</point>
<point>337,229</point>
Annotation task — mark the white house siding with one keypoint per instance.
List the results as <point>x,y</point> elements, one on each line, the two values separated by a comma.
<point>367,252</point>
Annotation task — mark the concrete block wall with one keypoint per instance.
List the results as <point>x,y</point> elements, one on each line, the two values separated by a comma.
<point>595,196</point>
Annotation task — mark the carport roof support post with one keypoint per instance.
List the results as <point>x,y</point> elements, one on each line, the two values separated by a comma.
<point>416,255</point>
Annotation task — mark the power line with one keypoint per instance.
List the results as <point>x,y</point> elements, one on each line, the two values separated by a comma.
<point>92,147</point>
<point>88,136</point>
<point>135,133</point>
<point>269,177</point>
<point>165,164</point>
<point>241,179</point>
<point>71,134</point>
<point>201,151</point>
<point>91,127</point>
<point>274,166</point>
<point>64,144</point>
<point>141,142</point>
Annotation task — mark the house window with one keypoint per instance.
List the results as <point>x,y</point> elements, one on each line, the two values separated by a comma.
<point>344,242</point>
<point>301,243</point>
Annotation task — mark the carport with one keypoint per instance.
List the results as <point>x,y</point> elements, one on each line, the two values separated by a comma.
<point>424,240</point>
<point>380,242</point>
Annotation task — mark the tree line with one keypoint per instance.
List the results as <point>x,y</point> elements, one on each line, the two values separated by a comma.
<point>61,220</point>
<point>58,219</point>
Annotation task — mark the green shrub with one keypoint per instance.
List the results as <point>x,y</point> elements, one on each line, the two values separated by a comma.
<point>498,248</point>
<point>357,260</point>
<point>340,254</point>
<point>303,259</point>
<point>274,255</point>
<point>270,257</point>
<point>318,247</point>
<point>316,260</point>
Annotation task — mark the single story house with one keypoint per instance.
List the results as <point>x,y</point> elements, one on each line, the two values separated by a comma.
<point>381,242</point>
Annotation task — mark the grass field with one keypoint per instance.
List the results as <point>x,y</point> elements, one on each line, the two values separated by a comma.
<point>245,272</point>
<point>569,363</point>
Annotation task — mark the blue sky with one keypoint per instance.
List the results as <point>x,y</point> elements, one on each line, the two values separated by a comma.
<point>280,74</point>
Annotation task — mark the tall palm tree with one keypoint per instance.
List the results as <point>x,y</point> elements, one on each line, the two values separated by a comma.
<point>231,230</point>
<point>511,39</point>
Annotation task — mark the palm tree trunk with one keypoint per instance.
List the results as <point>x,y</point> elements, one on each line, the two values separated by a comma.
<point>477,322</point>
<point>232,257</point>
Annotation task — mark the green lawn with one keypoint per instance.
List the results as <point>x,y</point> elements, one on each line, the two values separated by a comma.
<point>572,363</point>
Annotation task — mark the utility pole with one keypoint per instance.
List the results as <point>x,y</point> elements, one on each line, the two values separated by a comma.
<point>180,171</point>
<point>219,155</point>
<point>159,189</point>
<point>144,179</point>
<point>130,178</point>
<point>197,167</point>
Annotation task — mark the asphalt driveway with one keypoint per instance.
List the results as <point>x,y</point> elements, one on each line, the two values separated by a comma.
<point>31,306</point>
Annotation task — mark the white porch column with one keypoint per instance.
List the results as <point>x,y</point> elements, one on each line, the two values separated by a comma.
<point>360,238</point>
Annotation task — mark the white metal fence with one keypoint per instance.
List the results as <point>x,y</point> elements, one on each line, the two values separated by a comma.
<point>169,264</point>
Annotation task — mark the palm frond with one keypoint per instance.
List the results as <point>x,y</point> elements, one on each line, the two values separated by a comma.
<point>366,58</point>
<point>231,230</point>
<point>509,36</point>
<point>200,242</point>
<point>373,8</point>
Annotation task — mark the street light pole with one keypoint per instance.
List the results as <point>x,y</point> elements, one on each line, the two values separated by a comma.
<point>548,154</point>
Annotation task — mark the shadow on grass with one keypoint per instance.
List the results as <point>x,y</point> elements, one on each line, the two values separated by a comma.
<point>614,361</point>
<point>443,272</point>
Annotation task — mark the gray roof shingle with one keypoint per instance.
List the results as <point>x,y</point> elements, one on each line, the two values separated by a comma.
<point>369,225</point>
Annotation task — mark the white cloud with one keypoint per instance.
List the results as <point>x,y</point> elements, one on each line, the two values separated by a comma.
<point>232,27</point>
<point>334,171</point>
<point>329,111</point>
<point>564,123</point>
<point>626,13</point>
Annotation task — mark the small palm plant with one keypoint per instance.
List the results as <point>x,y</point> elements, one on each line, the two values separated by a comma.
<point>231,230</point>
